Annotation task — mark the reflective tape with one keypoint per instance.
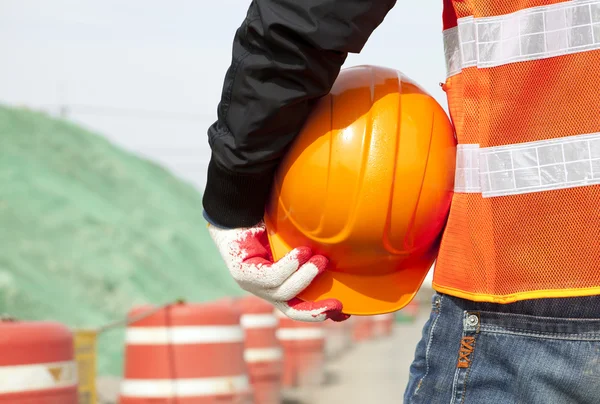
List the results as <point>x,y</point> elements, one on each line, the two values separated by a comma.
<point>455,51</point>
<point>164,388</point>
<point>466,179</point>
<point>183,335</point>
<point>22,378</point>
<point>297,334</point>
<point>252,355</point>
<point>544,165</point>
<point>529,34</point>
<point>258,321</point>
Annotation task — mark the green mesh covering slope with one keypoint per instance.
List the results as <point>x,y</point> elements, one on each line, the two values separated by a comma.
<point>87,230</point>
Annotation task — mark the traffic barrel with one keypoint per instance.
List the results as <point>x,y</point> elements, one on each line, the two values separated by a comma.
<point>263,352</point>
<point>409,313</point>
<point>185,354</point>
<point>338,337</point>
<point>303,351</point>
<point>383,325</point>
<point>37,363</point>
<point>363,328</point>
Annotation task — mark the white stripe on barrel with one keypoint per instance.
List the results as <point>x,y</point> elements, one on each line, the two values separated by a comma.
<point>184,387</point>
<point>300,333</point>
<point>183,335</point>
<point>20,378</point>
<point>249,321</point>
<point>252,355</point>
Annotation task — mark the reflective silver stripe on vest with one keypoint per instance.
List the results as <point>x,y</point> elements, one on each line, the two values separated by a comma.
<point>529,34</point>
<point>521,168</point>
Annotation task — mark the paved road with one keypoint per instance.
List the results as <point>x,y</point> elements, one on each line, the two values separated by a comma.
<point>372,372</point>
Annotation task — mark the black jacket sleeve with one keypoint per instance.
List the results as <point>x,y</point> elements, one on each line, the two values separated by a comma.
<point>286,55</point>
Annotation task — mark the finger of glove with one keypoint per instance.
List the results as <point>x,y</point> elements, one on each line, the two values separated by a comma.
<point>311,312</point>
<point>258,273</point>
<point>298,281</point>
<point>338,317</point>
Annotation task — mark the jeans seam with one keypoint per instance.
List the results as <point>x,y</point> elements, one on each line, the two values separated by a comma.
<point>464,393</point>
<point>459,371</point>
<point>549,335</point>
<point>428,348</point>
<point>454,385</point>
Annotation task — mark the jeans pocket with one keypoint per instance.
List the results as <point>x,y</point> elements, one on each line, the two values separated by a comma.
<point>511,358</point>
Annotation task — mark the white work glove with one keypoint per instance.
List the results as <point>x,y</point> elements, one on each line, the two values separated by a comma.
<point>248,256</point>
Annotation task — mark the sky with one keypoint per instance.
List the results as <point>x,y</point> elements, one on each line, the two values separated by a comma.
<point>147,74</point>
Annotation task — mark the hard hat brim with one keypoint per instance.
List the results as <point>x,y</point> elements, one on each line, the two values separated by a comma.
<point>364,294</point>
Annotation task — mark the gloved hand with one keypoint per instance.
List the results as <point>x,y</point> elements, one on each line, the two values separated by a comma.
<point>248,256</point>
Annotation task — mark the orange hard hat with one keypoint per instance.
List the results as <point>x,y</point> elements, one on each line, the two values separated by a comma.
<point>368,184</point>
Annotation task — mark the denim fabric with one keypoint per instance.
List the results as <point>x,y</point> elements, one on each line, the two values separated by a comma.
<point>544,351</point>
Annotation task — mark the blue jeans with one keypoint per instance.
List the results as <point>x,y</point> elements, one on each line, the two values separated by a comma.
<point>544,351</point>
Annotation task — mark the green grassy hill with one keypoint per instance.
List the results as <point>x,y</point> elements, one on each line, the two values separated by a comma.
<point>87,230</point>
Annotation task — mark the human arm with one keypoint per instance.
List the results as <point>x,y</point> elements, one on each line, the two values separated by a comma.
<point>286,55</point>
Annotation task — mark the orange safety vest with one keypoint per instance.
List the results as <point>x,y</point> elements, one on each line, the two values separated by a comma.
<point>523,91</point>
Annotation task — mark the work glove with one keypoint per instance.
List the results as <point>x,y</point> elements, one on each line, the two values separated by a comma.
<point>248,256</point>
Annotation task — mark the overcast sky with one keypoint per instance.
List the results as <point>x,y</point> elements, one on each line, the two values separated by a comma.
<point>131,56</point>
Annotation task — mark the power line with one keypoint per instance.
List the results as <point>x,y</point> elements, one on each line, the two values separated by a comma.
<point>134,113</point>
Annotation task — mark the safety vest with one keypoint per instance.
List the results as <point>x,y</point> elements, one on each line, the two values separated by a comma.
<point>523,91</point>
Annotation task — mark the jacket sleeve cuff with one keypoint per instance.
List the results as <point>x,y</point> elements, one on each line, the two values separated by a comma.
<point>210,221</point>
<point>233,200</point>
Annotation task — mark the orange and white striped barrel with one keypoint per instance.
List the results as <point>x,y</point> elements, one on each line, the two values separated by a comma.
<point>409,313</point>
<point>37,363</point>
<point>412,308</point>
<point>363,328</point>
<point>263,352</point>
<point>338,337</point>
<point>383,324</point>
<point>303,351</point>
<point>186,354</point>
